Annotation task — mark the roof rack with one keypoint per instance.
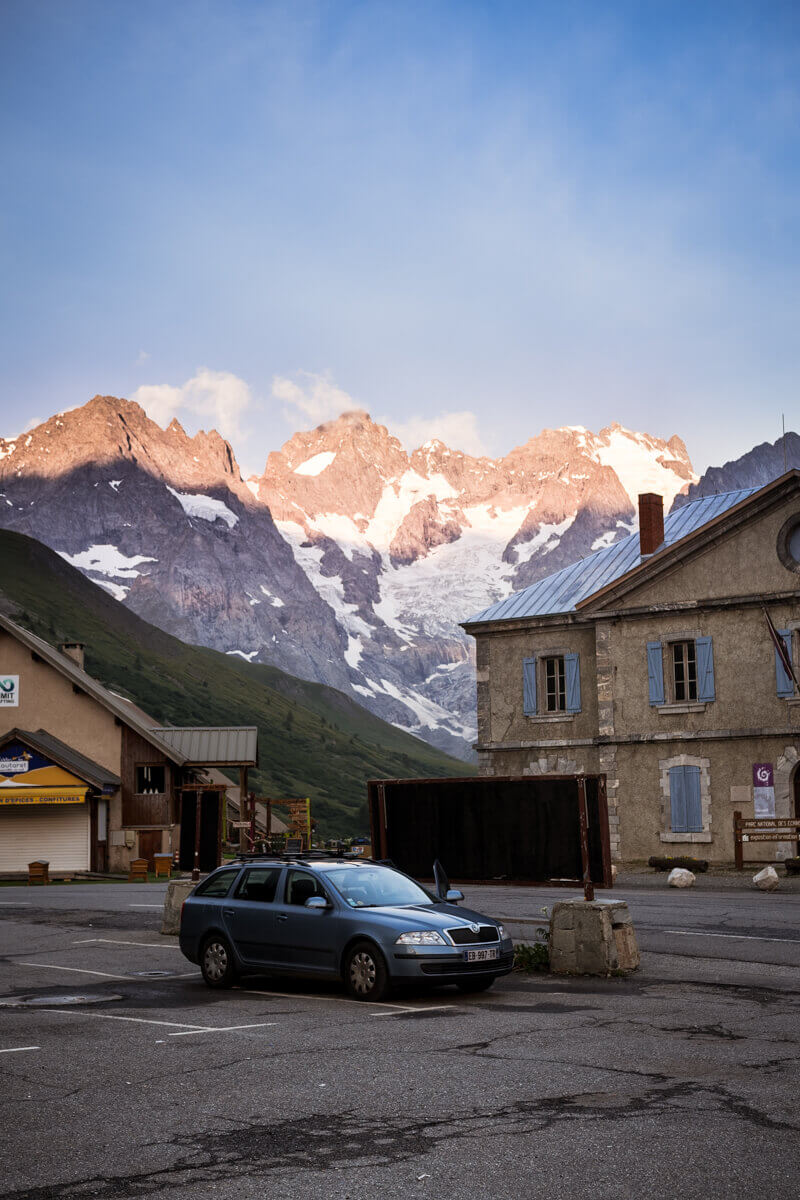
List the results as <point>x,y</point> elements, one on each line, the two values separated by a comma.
<point>303,857</point>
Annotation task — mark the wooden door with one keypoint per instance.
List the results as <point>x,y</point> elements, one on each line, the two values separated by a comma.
<point>149,845</point>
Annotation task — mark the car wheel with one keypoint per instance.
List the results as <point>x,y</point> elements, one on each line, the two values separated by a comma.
<point>475,985</point>
<point>216,962</point>
<point>365,974</point>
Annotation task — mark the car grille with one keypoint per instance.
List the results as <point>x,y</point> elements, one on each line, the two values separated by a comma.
<point>495,966</point>
<point>463,935</point>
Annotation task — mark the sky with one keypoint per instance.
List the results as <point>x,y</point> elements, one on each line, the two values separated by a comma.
<point>474,219</point>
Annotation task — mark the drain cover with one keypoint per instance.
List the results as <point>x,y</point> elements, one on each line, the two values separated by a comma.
<point>151,974</point>
<point>59,999</point>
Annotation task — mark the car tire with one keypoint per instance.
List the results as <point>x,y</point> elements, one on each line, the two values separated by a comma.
<point>216,962</point>
<point>365,973</point>
<point>475,985</point>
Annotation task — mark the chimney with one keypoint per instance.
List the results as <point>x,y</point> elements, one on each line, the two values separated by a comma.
<point>73,650</point>
<point>651,523</point>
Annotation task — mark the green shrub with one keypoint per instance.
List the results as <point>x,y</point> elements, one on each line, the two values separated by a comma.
<point>531,958</point>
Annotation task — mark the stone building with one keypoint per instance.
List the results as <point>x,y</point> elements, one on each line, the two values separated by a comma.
<point>651,662</point>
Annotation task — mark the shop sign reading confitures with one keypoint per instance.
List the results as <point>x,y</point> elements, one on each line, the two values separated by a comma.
<point>9,691</point>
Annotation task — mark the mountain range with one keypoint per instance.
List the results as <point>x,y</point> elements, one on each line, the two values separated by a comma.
<point>348,561</point>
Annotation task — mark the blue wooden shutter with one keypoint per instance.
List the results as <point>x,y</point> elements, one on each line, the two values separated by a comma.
<point>677,797</point>
<point>705,669</point>
<point>783,681</point>
<point>694,810</point>
<point>529,686</point>
<point>655,672</point>
<point>572,668</point>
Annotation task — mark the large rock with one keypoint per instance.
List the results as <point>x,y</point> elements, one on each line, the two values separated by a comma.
<point>592,938</point>
<point>681,878</point>
<point>767,879</point>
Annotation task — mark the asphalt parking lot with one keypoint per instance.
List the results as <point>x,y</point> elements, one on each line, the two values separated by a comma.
<point>123,1075</point>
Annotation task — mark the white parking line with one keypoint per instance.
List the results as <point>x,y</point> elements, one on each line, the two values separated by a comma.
<point>739,937</point>
<point>75,1012</point>
<point>75,970</point>
<point>223,1029</point>
<point>334,999</point>
<point>405,1011</point>
<point>13,904</point>
<point>19,1049</point>
<point>119,942</point>
<point>398,1009</point>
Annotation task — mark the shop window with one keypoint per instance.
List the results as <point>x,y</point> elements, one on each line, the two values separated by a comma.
<point>151,779</point>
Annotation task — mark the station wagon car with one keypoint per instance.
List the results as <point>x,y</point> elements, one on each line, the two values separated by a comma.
<point>364,923</point>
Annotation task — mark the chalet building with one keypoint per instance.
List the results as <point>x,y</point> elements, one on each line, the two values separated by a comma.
<point>652,662</point>
<point>89,782</point>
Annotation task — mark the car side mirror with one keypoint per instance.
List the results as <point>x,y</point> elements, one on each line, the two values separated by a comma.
<point>317,902</point>
<point>453,896</point>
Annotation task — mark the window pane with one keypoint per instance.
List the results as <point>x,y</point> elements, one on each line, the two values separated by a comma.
<point>301,886</point>
<point>259,883</point>
<point>691,670</point>
<point>217,885</point>
<point>150,779</point>
<point>555,684</point>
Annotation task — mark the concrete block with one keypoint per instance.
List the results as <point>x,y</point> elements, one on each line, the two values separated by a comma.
<point>680,878</point>
<point>592,938</point>
<point>177,891</point>
<point>767,880</point>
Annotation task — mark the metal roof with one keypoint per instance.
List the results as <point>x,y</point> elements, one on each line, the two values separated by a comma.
<point>91,772</point>
<point>562,591</point>
<point>223,745</point>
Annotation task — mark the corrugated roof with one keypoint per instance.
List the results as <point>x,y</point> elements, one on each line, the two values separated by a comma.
<point>222,745</point>
<point>562,591</point>
<point>65,756</point>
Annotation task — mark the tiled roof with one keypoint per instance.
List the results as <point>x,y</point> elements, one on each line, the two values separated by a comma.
<point>562,591</point>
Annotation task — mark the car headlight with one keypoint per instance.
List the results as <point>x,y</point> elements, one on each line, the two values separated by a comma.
<point>421,937</point>
<point>501,933</point>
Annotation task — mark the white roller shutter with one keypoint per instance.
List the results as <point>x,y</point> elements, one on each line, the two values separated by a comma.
<point>58,833</point>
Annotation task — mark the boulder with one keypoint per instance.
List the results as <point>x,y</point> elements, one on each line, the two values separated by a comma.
<point>680,877</point>
<point>767,879</point>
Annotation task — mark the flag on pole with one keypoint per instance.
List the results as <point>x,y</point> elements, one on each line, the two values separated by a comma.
<point>780,649</point>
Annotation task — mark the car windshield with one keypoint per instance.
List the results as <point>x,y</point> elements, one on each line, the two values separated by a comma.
<point>376,887</point>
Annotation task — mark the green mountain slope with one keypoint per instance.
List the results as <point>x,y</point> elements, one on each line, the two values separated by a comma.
<point>312,740</point>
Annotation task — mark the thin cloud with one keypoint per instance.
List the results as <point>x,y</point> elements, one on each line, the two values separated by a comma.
<point>315,396</point>
<point>215,398</point>
<point>458,430</point>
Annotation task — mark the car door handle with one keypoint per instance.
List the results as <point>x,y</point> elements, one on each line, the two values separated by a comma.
<point>283,917</point>
<point>228,912</point>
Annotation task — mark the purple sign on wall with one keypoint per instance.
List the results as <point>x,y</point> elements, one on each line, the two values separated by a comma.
<point>762,775</point>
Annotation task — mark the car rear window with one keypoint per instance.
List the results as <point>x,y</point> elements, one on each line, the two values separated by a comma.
<point>218,884</point>
<point>259,883</point>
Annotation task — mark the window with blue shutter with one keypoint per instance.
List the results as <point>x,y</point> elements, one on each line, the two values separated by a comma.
<point>686,814</point>
<point>529,686</point>
<point>572,666</point>
<point>655,672</point>
<point>783,681</point>
<point>705,669</point>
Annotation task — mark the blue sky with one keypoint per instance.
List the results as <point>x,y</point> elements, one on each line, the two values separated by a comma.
<point>473,219</point>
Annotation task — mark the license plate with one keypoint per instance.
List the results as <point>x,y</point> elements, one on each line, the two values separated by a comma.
<point>482,955</point>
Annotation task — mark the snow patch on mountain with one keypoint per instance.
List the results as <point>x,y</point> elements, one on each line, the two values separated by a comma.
<point>317,464</point>
<point>107,560</point>
<point>204,507</point>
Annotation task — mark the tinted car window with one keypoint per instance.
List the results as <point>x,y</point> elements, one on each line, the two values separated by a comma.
<point>301,886</point>
<point>259,883</point>
<point>376,887</point>
<point>217,885</point>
